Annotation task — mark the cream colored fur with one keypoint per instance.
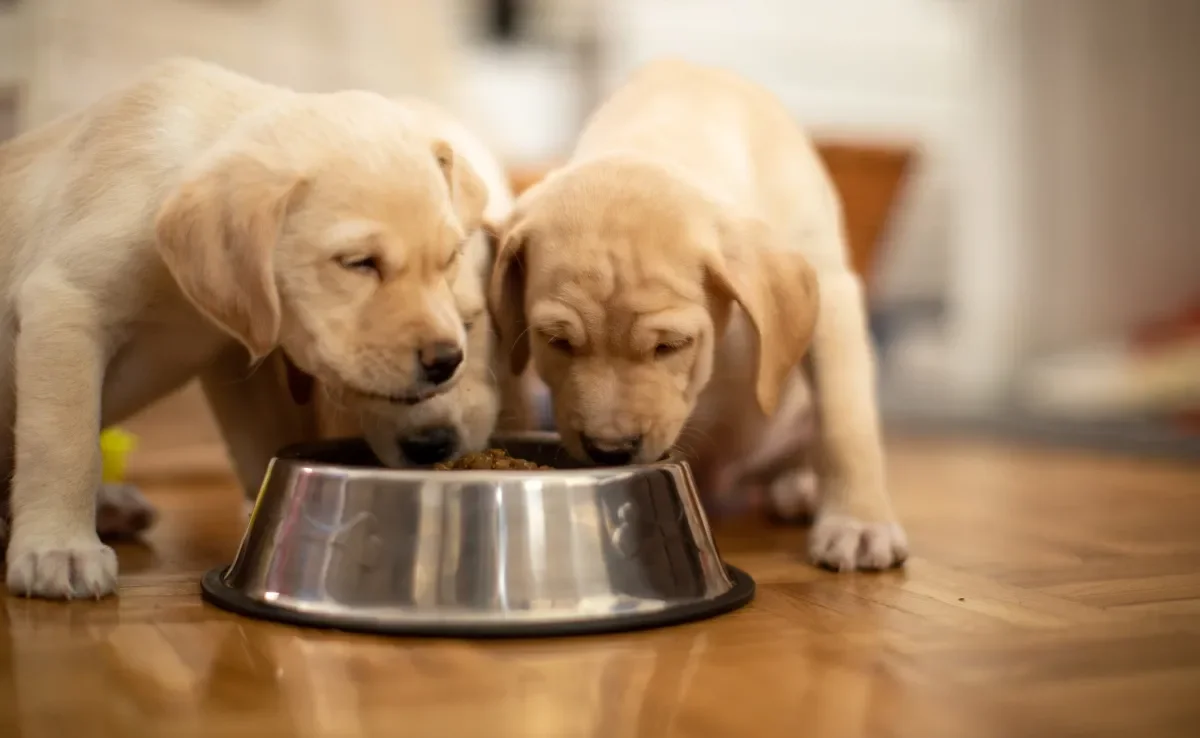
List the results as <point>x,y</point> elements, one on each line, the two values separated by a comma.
<point>182,226</point>
<point>669,280</point>
<point>488,394</point>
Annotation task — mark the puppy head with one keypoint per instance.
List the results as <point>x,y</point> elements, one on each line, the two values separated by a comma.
<point>619,279</point>
<point>460,420</point>
<point>324,229</point>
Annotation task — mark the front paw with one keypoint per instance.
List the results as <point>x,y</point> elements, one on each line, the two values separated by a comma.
<point>844,543</point>
<point>60,569</point>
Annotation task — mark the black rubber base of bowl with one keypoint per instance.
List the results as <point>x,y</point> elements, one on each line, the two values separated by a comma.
<point>217,593</point>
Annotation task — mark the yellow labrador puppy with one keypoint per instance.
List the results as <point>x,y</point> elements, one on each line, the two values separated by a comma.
<point>462,419</point>
<point>185,225</point>
<point>668,282</point>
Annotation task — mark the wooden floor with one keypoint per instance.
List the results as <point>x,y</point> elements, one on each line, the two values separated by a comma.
<point>1049,595</point>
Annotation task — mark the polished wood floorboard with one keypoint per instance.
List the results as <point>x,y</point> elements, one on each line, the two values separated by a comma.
<point>1050,594</point>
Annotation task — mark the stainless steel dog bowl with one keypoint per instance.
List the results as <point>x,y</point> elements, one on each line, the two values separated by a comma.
<point>337,541</point>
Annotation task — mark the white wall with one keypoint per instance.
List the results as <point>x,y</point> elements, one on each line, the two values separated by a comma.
<point>1117,151</point>
<point>523,101</point>
<point>877,67</point>
<point>82,48</point>
<point>1080,173</point>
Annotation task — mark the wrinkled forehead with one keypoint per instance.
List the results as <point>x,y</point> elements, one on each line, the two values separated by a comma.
<point>611,243</point>
<point>615,287</point>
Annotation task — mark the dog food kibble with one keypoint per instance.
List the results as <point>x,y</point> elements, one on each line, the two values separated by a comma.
<point>493,458</point>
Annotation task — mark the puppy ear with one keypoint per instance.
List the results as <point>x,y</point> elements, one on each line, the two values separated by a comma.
<point>467,190</point>
<point>506,298</point>
<point>217,234</point>
<point>778,290</point>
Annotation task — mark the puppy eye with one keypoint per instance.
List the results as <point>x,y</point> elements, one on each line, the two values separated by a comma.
<point>470,321</point>
<point>364,264</point>
<point>668,348</point>
<point>558,343</point>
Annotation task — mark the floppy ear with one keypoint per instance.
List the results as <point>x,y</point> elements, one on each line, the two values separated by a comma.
<point>467,191</point>
<point>506,298</point>
<point>778,290</point>
<point>217,234</point>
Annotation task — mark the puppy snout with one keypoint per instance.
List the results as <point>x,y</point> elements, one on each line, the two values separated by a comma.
<point>430,445</point>
<point>439,361</point>
<point>611,451</point>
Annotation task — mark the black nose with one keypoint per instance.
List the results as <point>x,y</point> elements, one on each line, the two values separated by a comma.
<point>430,445</point>
<point>611,451</point>
<point>439,361</point>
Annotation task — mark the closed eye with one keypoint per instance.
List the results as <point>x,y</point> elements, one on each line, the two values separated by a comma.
<point>359,263</point>
<point>558,343</point>
<point>667,348</point>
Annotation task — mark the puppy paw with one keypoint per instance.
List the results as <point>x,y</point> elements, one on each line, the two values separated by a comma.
<point>843,543</point>
<point>61,569</point>
<point>792,497</point>
<point>122,511</point>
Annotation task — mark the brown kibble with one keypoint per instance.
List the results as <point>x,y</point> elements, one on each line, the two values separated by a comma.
<point>491,459</point>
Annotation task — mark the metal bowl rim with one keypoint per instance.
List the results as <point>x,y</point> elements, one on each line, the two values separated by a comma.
<point>293,456</point>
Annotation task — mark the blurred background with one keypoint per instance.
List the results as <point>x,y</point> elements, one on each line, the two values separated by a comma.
<point>1020,177</point>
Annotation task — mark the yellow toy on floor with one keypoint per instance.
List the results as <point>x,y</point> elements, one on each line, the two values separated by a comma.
<point>115,447</point>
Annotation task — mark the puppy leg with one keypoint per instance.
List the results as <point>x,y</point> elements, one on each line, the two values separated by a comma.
<point>54,551</point>
<point>122,511</point>
<point>255,413</point>
<point>793,496</point>
<point>783,462</point>
<point>855,526</point>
